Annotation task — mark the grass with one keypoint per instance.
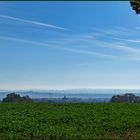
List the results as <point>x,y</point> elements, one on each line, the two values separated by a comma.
<point>69,121</point>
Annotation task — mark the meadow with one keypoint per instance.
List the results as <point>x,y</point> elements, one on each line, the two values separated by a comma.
<point>69,121</point>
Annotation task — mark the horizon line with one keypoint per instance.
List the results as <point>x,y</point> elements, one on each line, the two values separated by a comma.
<point>55,89</point>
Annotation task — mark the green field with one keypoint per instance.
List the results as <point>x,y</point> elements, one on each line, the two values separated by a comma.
<point>69,121</point>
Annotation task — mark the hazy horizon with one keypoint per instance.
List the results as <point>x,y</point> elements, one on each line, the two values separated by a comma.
<point>75,89</point>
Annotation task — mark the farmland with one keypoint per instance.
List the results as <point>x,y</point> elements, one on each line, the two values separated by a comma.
<point>69,121</point>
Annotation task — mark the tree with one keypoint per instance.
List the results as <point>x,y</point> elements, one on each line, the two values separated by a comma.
<point>26,99</point>
<point>13,97</point>
<point>135,5</point>
<point>128,97</point>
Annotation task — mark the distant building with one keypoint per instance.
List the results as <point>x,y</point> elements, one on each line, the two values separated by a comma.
<point>64,98</point>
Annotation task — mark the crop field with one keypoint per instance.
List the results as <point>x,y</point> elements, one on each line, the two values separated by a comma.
<point>69,121</point>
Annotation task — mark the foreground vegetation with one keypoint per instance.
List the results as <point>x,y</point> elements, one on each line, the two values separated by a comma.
<point>69,121</point>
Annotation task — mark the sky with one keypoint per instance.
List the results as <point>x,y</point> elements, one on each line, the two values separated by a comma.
<point>69,45</point>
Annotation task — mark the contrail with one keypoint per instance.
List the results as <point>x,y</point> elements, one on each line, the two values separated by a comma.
<point>33,22</point>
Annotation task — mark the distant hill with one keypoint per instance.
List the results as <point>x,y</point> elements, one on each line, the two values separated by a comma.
<point>89,94</point>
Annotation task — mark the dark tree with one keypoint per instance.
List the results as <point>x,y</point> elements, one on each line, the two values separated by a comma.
<point>13,97</point>
<point>26,99</point>
<point>128,97</point>
<point>135,4</point>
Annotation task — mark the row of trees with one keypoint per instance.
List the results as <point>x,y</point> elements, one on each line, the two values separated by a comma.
<point>13,97</point>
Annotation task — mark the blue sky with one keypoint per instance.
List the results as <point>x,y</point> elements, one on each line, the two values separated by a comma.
<point>64,45</point>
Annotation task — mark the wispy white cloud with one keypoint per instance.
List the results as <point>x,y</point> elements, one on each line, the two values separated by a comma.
<point>22,40</point>
<point>116,31</point>
<point>80,51</point>
<point>138,28</point>
<point>133,53</point>
<point>32,22</point>
<point>129,40</point>
<point>85,64</point>
<point>93,63</point>
<point>89,44</point>
<point>130,53</point>
<point>92,41</point>
<point>118,45</point>
<point>62,47</point>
